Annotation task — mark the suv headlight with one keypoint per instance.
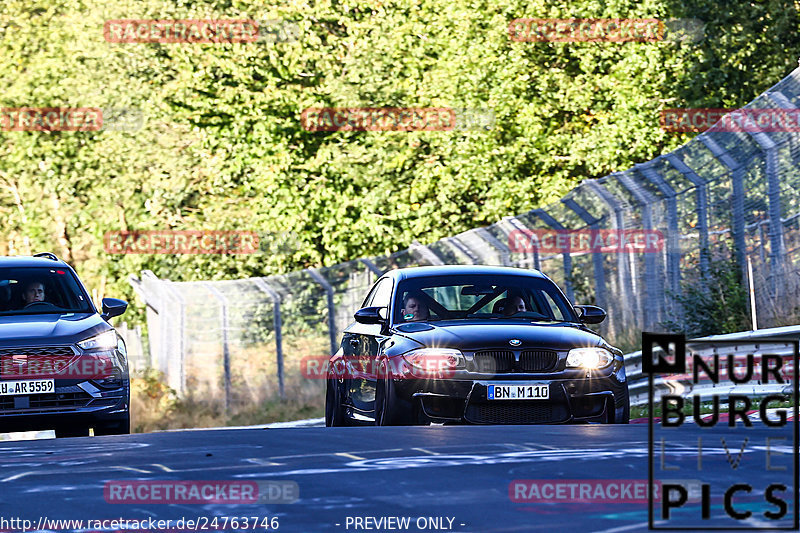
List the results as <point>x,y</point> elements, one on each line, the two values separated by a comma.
<point>104,341</point>
<point>589,358</point>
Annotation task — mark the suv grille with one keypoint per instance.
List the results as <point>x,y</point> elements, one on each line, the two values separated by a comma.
<point>39,351</point>
<point>14,361</point>
<point>502,361</point>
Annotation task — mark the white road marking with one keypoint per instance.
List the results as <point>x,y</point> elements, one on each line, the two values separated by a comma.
<point>350,456</point>
<point>17,476</point>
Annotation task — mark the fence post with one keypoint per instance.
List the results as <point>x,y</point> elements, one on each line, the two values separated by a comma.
<point>624,277</point>
<point>737,183</point>
<point>567,256</point>
<point>226,355</point>
<point>673,249</point>
<point>776,253</point>
<point>491,239</point>
<point>314,273</point>
<point>425,253</point>
<point>597,255</point>
<point>652,279</point>
<point>157,328</point>
<point>701,198</point>
<point>372,266</point>
<point>457,245</point>
<point>277,323</point>
<point>170,285</point>
<point>139,288</point>
<point>515,225</point>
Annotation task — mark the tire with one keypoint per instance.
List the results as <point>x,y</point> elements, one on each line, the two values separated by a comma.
<point>123,427</point>
<point>72,431</point>
<point>387,407</point>
<point>626,413</point>
<point>334,409</point>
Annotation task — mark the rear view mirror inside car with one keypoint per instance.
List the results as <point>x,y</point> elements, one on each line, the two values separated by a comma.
<point>477,290</point>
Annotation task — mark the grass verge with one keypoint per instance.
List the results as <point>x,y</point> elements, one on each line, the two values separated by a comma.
<point>704,408</point>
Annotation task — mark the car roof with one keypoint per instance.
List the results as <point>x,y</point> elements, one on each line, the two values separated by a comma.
<point>452,270</point>
<point>30,261</point>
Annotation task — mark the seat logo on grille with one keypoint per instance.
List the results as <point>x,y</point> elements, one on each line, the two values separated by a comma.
<point>515,342</point>
<point>21,361</point>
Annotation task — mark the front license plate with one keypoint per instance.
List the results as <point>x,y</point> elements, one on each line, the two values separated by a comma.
<point>538,391</point>
<point>29,386</point>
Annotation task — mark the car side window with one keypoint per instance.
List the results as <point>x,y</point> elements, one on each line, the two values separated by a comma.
<point>370,296</point>
<point>378,294</point>
<point>383,294</point>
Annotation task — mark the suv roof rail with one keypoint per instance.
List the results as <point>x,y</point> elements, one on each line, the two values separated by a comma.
<point>48,255</point>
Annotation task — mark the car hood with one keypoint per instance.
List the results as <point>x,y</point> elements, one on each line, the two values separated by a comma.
<point>52,328</point>
<point>474,336</point>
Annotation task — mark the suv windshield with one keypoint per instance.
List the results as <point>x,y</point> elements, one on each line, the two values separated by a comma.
<point>39,290</point>
<point>481,296</point>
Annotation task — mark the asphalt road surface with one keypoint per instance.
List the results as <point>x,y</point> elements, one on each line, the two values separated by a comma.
<point>437,478</point>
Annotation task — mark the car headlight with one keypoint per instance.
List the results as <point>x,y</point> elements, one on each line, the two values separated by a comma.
<point>435,359</point>
<point>104,341</point>
<point>589,358</point>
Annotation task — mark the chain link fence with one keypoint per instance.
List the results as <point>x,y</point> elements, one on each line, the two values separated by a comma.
<point>729,195</point>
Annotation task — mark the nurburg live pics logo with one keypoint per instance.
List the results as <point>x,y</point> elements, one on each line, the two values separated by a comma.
<point>722,471</point>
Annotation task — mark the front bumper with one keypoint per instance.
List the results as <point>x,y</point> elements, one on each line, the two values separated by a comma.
<point>575,395</point>
<point>74,403</point>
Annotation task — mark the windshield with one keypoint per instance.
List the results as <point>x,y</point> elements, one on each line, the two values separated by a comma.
<point>480,296</point>
<point>40,290</point>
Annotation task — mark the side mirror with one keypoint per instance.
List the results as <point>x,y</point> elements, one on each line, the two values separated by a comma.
<point>113,307</point>
<point>371,315</point>
<point>590,314</point>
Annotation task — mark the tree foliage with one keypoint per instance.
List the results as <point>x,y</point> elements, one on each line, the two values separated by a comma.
<point>222,146</point>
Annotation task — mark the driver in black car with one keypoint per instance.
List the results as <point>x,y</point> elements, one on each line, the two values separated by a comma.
<point>414,307</point>
<point>33,292</point>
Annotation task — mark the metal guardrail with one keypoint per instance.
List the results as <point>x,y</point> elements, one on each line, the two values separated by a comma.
<point>748,342</point>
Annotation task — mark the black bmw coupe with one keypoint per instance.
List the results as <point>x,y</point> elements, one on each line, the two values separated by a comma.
<point>474,344</point>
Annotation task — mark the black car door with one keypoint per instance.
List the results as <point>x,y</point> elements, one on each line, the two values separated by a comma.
<point>369,340</point>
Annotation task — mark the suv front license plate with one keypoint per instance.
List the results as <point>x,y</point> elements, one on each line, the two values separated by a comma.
<point>33,386</point>
<point>539,391</point>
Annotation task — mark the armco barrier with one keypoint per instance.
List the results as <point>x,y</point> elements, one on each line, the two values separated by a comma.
<point>747,342</point>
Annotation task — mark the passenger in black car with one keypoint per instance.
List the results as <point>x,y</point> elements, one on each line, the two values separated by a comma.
<point>514,304</point>
<point>414,307</point>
